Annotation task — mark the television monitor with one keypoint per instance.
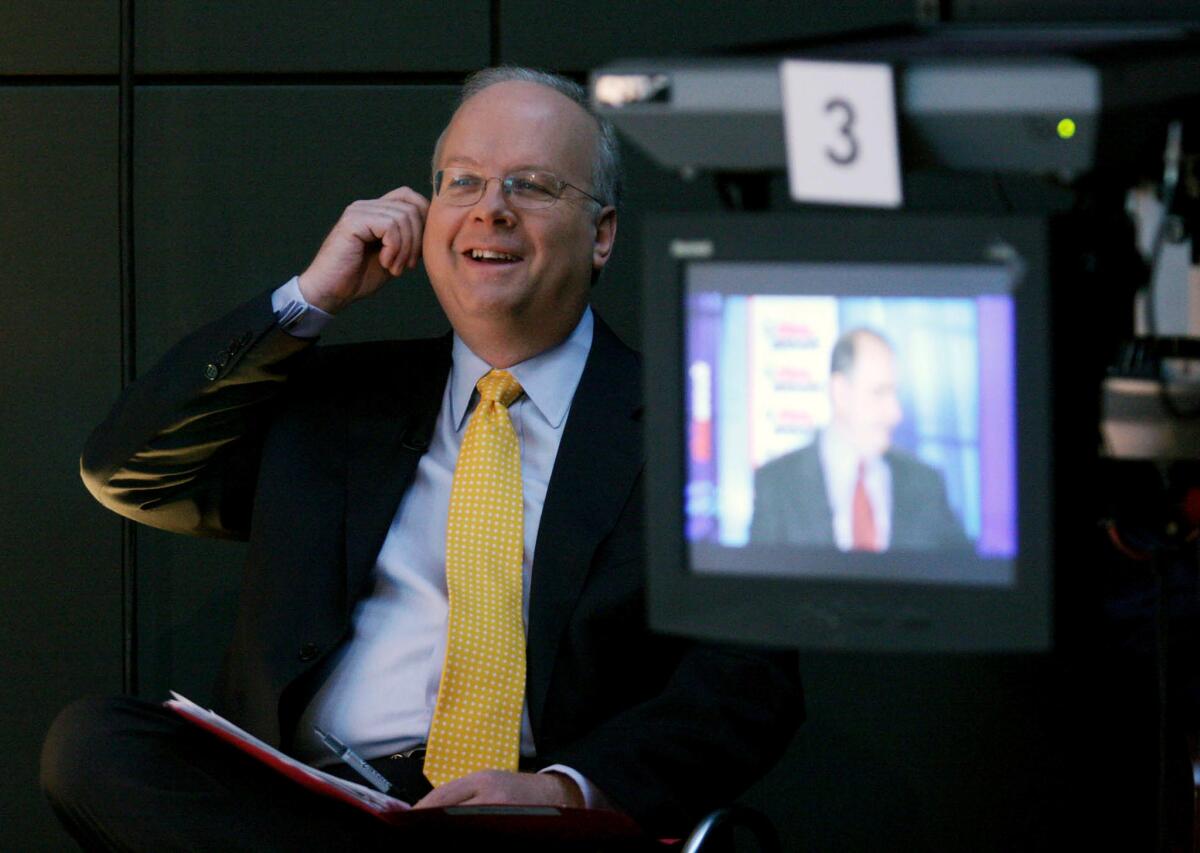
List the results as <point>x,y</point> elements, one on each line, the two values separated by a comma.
<point>848,430</point>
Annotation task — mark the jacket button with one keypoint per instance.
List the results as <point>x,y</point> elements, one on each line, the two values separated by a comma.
<point>309,651</point>
<point>211,372</point>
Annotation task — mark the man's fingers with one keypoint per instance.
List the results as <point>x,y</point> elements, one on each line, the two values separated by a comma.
<point>391,248</point>
<point>397,241</point>
<point>484,786</point>
<point>416,225</point>
<point>401,239</point>
<point>399,225</point>
<point>367,219</point>
<point>452,793</point>
<point>398,228</point>
<point>408,194</point>
<point>411,226</point>
<point>498,787</point>
<point>372,240</point>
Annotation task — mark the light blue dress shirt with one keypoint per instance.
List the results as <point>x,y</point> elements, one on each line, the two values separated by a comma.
<point>380,694</point>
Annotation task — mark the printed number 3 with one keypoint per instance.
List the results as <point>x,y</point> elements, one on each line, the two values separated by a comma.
<point>849,152</point>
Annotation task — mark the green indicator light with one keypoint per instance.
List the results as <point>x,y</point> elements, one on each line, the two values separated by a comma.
<point>1066,128</point>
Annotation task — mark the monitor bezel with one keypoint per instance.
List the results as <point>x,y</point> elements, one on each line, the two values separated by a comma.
<point>819,613</point>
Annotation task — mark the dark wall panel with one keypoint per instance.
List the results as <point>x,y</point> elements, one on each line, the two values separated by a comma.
<point>577,35</point>
<point>235,189</point>
<point>59,36</point>
<point>183,36</point>
<point>60,552</point>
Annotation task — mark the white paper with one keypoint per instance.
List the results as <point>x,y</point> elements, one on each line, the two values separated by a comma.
<point>375,799</point>
<point>840,129</point>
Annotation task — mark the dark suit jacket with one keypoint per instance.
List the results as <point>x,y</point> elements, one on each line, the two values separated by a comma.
<point>791,505</point>
<point>244,432</point>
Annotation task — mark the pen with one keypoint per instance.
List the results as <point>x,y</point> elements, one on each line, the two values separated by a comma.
<point>355,760</point>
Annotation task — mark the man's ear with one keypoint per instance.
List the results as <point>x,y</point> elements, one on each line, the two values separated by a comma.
<point>606,235</point>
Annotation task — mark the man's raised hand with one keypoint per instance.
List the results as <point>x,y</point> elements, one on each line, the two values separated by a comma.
<point>374,240</point>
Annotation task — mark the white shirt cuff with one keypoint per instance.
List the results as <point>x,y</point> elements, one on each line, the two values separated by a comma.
<point>295,315</point>
<point>593,797</point>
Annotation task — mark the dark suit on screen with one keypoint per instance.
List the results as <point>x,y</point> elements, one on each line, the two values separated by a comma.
<point>791,504</point>
<point>244,432</point>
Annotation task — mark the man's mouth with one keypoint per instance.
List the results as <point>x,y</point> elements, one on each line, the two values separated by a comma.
<point>491,256</point>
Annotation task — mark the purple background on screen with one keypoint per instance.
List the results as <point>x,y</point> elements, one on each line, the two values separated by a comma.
<point>997,428</point>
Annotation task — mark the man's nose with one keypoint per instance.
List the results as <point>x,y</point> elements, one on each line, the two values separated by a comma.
<point>494,204</point>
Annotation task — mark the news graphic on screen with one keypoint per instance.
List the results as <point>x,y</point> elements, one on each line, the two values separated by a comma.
<point>851,421</point>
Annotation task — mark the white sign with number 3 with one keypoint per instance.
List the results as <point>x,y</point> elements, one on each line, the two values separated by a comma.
<point>839,122</point>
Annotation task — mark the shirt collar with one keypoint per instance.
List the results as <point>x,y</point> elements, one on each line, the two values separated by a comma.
<point>549,378</point>
<point>840,456</point>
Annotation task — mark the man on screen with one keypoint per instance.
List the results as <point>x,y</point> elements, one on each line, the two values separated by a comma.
<point>850,487</point>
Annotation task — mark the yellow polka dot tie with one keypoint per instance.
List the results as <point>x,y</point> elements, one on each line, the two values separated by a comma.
<point>477,720</point>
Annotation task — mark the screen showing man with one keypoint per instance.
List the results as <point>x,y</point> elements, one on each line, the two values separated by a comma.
<point>843,416</point>
<point>851,487</point>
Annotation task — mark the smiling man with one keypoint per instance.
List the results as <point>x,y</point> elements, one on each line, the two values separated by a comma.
<point>446,565</point>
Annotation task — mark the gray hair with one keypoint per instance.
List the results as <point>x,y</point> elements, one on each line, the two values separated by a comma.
<point>606,163</point>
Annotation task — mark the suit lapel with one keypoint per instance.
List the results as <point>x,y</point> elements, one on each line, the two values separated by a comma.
<point>388,430</point>
<point>813,515</point>
<point>903,503</point>
<point>598,460</point>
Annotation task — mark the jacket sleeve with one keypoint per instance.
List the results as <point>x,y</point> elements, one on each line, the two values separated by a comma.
<point>178,450</point>
<point>724,718</point>
<point>687,725</point>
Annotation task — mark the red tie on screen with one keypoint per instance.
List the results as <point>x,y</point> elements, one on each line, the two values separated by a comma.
<point>864,536</point>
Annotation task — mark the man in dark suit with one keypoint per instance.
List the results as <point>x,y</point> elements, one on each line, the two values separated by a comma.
<point>850,488</point>
<point>336,465</point>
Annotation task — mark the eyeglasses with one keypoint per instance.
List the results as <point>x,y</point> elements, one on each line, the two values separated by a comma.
<point>529,189</point>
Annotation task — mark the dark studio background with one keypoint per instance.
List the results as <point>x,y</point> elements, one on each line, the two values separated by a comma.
<point>253,124</point>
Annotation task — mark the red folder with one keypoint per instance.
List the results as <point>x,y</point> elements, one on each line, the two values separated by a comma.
<point>549,823</point>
